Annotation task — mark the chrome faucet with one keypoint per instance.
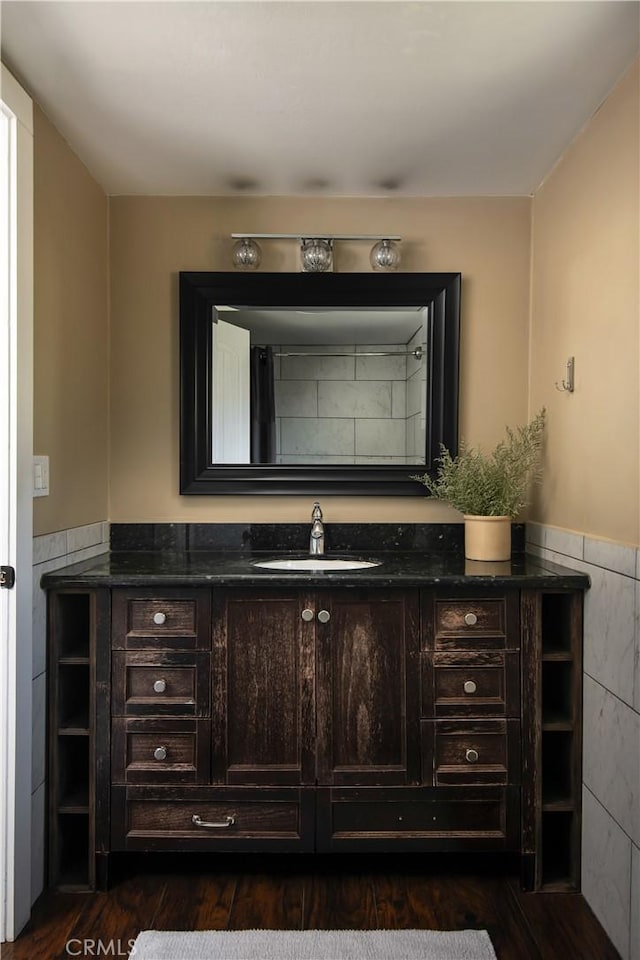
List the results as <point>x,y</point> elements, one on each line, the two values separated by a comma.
<point>316,543</point>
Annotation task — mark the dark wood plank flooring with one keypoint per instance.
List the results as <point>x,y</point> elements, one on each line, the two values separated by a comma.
<point>302,893</point>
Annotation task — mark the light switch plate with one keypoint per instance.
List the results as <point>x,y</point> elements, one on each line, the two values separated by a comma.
<point>41,476</point>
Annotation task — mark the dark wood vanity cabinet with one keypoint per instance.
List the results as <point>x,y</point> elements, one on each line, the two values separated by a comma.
<point>339,718</point>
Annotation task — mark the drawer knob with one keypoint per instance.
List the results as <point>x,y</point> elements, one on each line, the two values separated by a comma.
<point>324,616</point>
<point>470,619</point>
<point>471,755</point>
<point>213,824</point>
<point>307,615</point>
<point>160,753</point>
<point>161,685</point>
<point>470,686</point>
<point>159,618</point>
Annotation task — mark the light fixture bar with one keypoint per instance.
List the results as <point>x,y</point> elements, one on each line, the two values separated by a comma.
<point>316,235</point>
<point>316,249</point>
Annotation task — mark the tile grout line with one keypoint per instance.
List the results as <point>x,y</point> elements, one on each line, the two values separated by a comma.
<point>608,812</point>
<point>590,563</point>
<point>629,706</point>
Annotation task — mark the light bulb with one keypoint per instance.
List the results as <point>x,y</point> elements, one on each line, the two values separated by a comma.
<point>385,255</point>
<point>317,256</point>
<point>246,254</point>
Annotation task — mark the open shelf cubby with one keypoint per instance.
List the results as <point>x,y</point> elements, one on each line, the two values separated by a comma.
<point>73,773</point>
<point>553,698</point>
<point>74,696</point>
<point>557,699</point>
<point>558,854</point>
<point>72,623</point>
<point>71,738</point>
<point>557,768</point>
<point>556,624</point>
<point>71,869</point>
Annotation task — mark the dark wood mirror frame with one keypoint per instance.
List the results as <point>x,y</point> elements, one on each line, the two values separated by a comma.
<point>199,292</point>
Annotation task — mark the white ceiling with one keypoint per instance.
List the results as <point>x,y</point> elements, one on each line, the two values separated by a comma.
<point>327,98</point>
<point>327,325</point>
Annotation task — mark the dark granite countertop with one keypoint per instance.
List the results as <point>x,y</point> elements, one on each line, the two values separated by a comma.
<point>169,568</point>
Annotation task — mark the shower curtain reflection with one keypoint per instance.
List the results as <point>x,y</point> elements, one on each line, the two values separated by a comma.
<point>263,412</point>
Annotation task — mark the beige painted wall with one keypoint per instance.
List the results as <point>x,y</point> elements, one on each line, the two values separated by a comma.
<point>153,238</point>
<point>71,333</point>
<point>585,280</point>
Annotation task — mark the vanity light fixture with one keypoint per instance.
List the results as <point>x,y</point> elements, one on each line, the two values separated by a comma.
<point>246,254</point>
<point>385,255</point>
<point>316,255</point>
<point>316,251</point>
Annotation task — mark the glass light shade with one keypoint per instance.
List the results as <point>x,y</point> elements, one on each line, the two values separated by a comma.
<point>246,254</point>
<point>317,256</point>
<point>385,255</point>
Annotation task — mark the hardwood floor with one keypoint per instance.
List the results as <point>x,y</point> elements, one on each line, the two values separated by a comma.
<point>301,893</point>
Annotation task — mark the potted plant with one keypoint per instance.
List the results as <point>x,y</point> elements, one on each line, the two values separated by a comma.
<point>490,489</point>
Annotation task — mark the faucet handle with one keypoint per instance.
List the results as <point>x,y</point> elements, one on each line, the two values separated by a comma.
<point>316,513</point>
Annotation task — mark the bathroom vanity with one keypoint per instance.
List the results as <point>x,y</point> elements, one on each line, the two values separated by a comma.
<point>200,703</point>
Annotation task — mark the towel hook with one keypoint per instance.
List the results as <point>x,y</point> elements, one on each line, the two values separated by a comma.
<point>567,386</point>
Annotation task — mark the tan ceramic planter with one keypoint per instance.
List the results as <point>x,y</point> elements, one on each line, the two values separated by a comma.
<point>487,538</point>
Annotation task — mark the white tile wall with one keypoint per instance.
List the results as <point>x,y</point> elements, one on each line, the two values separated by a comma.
<point>315,436</point>
<point>611,556</point>
<point>611,742</point>
<point>609,631</point>
<point>38,820</point>
<point>317,368</point>
<point>50,552</point>
<point>297,398</point>
<point>636,671</point>
<point>333,409</point>
<point>635,903</point>
<point>381,368</point>
<point>39,731</point>
<point>611,757</point>
<point>606,871</point>
<point>355,398</point>
<point>375,435</point>
<point>398,399</point>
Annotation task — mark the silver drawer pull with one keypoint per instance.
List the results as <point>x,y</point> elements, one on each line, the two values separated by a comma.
<point>324,616</point>
<point>471,755</point>
<point>307,615</point>
<point>159,618</point>
<point>470,619</point>
<point>160,753</point>
<point>160,686</point>
<point>214,825</point>
<point>470,686</point>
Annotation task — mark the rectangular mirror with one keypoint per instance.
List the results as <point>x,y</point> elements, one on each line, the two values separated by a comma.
<point>316,383</point>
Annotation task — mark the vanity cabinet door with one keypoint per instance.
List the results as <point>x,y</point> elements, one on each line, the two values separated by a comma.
<point>263,689</point>
<point>367,654</point>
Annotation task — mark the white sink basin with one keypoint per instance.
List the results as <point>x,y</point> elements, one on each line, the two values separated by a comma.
<point>316,563</point>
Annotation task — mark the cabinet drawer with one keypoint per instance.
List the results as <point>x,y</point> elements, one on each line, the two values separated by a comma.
<point>417,818</point>
<point>160,684</point>
<point>470,617</point>
<point>476,752</point>
<point>228,818</point>
<point>459,684</point>
<point>469,689</point>
<point>160,751</point>
<point>173,619</point>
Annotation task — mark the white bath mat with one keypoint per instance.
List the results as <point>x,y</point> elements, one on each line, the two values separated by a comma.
<point>314,945</point>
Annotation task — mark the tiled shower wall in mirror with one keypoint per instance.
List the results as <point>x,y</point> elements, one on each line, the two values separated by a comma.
<point>351,409</point>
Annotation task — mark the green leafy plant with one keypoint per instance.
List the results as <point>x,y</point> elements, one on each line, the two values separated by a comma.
<point>495,484</point>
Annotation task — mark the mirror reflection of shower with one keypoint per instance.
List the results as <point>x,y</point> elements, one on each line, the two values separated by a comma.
<point>319,385</point>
